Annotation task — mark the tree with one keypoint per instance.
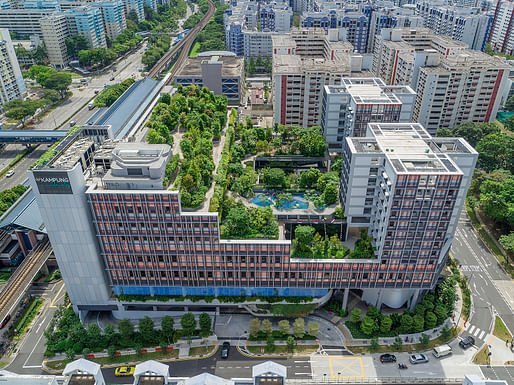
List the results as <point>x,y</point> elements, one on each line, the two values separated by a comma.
<point>111,352</point>
<point>254,327</point>
<point>367,325</point>
<point>419,309</point>
<point>267,327</point>
<point>94,336</point>
<point>446,332</point>
<point>250,66</point>
<point>424,339</point>
<point>270,344</point>
<point>430,320</point>
<point>418,323</point>
<point>20,111</point>
<point>86,351</point>
<point>283,326</point>
<point>126,330</point>
<point>355,315</point>
<point>75,44</point>
<point>489,49</point>
<point>167,327</point>
<point>397,344</point>
<point>385,324</point>
<point>290,343</point>
<point>406,324</point>
<point>313,328</point>
<point>138,347</point>
<point>496,152</point>
<point>237,222</point>
<point>274,177</point>
<point>59,81</point>
<point>70,354</point>
<point>373,344</point>
<point>507,242</point>
<point>330,194</point>
<point>132,15</point>
<point>304,236</point>
<point>147,331</point>
<point>188,323</point>
<point>205,324</point>
<point>109,334</point>
<point>441,313</point>
<point>299,328</point>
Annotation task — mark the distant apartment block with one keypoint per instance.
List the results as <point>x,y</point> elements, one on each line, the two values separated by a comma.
<point>347,108</point>
<point>221,72</point>
<point>502,30</point>
<point>54,28</point>
<point>25,22</point>
<point>12,85</point>
<point>88,22</point>
<point>470,86</point>
<point>466,24</point>
<point>257,44</point>
<point>414,47</point>
<point>303,63</point>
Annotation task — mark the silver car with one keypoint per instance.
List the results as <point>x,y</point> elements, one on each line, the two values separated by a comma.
<point>418,358</point>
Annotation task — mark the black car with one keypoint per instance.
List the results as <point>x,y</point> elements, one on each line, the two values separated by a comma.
<point>224,349</point>
<point>387,358</point>
<point>467,342</point>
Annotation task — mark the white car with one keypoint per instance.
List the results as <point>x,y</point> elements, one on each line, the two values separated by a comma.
<point>418,358</point>
<point>9,173</point>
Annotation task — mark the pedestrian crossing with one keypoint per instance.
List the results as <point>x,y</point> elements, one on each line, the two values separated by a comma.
<point>476,332</point>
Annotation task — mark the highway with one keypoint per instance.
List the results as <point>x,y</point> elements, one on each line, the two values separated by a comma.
<point>22,278</point>
<point>185,44</point>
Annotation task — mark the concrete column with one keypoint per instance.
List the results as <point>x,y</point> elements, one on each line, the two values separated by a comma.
<point>379,299</point>
<point>217,310</point>
<point>345,298</point>
<point>414,299</point>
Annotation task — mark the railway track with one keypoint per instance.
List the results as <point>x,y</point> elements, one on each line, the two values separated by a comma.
<point>184,45</point>
<point>28,269</point>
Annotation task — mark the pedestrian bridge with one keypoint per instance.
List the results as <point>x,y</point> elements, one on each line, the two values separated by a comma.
<point>31,136</point>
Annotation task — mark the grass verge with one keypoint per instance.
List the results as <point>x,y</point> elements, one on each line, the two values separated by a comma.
<point>60,364</point>
<point>28,316</point>
<point>282,349</point>
<point>406,348</point>
<point>482,356</point>
<point>4,277</point>
<point>200,350</point>
<point>195,50</point>
<point>501,331</point>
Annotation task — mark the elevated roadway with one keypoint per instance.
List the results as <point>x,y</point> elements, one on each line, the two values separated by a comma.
<point>31,136</point>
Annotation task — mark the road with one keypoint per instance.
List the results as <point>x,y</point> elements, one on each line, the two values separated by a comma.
<point>30,351</point>
<point>487,280</point>
<point>75,105</point>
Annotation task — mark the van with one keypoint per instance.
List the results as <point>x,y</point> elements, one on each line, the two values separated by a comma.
<point>442,351</point>
<point>91,105</point>
<point>72,123</point>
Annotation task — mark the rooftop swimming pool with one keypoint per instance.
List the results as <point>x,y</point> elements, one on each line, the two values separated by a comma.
<point>298,201</point>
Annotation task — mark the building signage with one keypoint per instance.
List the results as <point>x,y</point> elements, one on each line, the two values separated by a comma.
<point>53,182</point>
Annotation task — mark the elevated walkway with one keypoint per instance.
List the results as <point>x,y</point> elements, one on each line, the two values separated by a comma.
<point>31,136</point>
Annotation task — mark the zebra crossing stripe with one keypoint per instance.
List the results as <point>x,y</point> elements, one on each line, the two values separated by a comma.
<point>481,335</point>
<point>471,329</point>
<point>476,332</point>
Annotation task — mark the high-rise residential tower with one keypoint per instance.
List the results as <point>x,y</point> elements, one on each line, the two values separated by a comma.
<point>12,85</point>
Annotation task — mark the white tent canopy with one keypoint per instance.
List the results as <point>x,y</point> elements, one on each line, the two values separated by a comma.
<point>83,366</point>
<point>152,368</point>
<point>269,369</point>
<point>207,379</point>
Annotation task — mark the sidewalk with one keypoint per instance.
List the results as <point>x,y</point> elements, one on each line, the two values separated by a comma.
<point>500,352</point>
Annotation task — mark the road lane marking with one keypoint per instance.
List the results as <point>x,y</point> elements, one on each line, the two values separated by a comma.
<point>476,332</point>
<point>481,335</point>
<point>471,329</point>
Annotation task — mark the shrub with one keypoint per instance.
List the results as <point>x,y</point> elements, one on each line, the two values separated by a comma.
<point>355,315</point>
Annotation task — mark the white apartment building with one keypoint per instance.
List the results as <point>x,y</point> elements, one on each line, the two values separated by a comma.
<point>408,190</point>
<point>55,31</point>
<point>417,46</point>
<point>347,108</point>
<point>502,30</point>
<point>466,24</point>
<point>470,86</point>
<point>303,63</point>
<point>12,85</point>
<point>257,43</point>
<point>23,21</point>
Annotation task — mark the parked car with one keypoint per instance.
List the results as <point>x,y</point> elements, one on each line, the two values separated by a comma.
<point>225,349</point>
<point>387,358</point>
<point>418,358</point>
<point>467,342</point>
<point>9,173</point>
<point>124,371</point>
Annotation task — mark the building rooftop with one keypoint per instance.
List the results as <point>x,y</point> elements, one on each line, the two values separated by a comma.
<point>232,66</point>
<point>369,90</point>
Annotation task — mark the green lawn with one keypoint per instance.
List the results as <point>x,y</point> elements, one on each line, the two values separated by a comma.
<point>200,350</point>
<point>195,50</point>
<point>500,330</point>
<point>482,356</point>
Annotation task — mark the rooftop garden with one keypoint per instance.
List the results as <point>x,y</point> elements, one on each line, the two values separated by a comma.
<point>202,115</point>
<point>308,243</point>
<point>243,222</point>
